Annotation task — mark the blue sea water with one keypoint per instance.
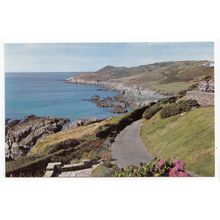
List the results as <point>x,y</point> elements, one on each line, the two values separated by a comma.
<point>46,94</point>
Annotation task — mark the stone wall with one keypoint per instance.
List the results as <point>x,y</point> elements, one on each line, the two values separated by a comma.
<point>203,98</point>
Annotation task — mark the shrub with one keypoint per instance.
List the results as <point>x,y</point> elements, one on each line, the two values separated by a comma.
<point>107,163</point>
<point>101,171</point>
<point>154,168</point>
<point>75,161</point>
<point>187,105</point>
<point>177,108</point>
<point>192,87</point>
<point>169,110</point>
<point>168,100</point>
<point>150,112</point>
<point>181,93</point>
<point>207,78</point>
<point>91,155</point>
<point>106,156</point>
<point>111,130</point>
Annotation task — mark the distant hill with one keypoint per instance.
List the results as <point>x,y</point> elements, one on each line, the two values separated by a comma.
<point>167,77</point>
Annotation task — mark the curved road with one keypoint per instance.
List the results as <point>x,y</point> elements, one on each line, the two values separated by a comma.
<point>128,148</point>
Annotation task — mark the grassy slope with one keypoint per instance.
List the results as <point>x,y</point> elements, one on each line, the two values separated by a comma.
<point>171,87</point>
<point>42,150</point>
<point>44,146</point>
<point>189,137</point>
<point>166,77</point>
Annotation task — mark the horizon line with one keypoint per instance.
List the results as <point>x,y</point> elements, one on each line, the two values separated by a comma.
<point>106,66</point>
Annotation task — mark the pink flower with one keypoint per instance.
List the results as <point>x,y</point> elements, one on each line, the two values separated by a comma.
<point>178,169</point>
<point>179,164</point>
<point>175,162</point>
<point>183,174</point>
<point>161,163</point>
<point>176,173</point>
<point>172,172</point>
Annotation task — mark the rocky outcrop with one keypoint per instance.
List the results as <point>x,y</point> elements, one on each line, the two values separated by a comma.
<point>119,109</point>
<point>133,95</point>
<point>80,122</point>
<point>203,98</point>
<point>117,103</point>
<point>138,84</point>
<point>22,135</point>
<point>206,86</point>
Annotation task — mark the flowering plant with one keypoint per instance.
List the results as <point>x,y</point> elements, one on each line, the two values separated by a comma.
<point>156,167</point>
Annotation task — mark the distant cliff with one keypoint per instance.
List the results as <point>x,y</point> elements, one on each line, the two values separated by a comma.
<point>165,77</point>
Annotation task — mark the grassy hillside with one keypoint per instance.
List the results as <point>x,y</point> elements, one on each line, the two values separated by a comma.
<point>168,77</point>
<point>61,146</point>
<point>189,137</point>
<point>48,144</point>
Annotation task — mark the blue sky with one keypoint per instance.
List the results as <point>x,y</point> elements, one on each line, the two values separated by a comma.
<point>52,57</point>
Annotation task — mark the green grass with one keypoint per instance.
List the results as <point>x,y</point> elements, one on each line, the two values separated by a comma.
<point>189,137</point>
<point>55,141</point>
<point>116,119</point>
<point>172,88</point>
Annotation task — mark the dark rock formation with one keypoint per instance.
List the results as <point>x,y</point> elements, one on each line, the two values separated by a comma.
<point>80,122</point>
<point>118,104</point>
<point>22,135</point>
<point>119,109</point>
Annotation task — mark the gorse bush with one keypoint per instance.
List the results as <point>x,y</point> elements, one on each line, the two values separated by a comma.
<point>156,167</point>
<point>192,87</point>
<point>91,155</point>
<point>177,108</point>
<point>169,110</point>
<point>165,101</point>
<point>181,93</point>
<point>187,105</point>
<point>151,111</point>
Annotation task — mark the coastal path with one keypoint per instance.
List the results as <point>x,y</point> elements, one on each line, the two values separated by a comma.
<point>128,148</point>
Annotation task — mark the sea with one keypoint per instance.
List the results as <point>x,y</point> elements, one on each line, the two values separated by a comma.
<point>47,94</point>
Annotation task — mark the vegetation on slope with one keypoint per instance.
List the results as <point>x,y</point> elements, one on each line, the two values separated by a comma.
<point>166,77</point>
<point>63,146</point>
<point>188,137</point>
<point>51,143</point>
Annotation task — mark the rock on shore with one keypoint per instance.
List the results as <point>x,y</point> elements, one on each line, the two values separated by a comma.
<point>133,95</point>
<point>116,103</point>
<point>22,135</point>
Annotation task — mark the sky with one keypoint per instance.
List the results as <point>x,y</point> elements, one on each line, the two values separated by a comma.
<point>77,57</point>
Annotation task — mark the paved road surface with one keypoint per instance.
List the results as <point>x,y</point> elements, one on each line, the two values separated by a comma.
<point>128,148</point>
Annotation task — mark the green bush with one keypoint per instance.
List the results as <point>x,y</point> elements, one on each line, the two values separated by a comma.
<point>181,93</point>
<point>169,110</point>
<point>107,163</point>
<point>187,105</point>
<point>177,108</point>
<point>101,171</point>
<point>168,100</point>
<point>192,87</point>
<point>91,155</point>
<point>150,112</point>
<point>207,78</point>
<point>111,130</point>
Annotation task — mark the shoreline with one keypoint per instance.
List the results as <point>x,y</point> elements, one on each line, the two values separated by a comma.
<point>135,96</point>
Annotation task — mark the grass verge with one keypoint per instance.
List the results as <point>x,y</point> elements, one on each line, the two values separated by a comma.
<point>189,137</point>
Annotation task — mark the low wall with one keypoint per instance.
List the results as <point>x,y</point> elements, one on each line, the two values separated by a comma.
<point>203,98</point>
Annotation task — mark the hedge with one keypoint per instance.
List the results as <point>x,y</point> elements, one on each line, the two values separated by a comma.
<point>177,108</point>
